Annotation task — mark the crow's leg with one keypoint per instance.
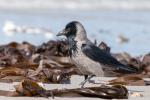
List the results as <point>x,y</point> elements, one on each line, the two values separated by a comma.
<point>87,78</point>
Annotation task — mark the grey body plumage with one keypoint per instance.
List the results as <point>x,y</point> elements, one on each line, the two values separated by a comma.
<point>84,63</point>
<point>90,59</point>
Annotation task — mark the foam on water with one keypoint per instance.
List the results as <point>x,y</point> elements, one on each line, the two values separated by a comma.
<point>75,4</point>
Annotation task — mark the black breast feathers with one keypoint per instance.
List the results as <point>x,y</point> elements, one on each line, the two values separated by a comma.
<point>72,46</point>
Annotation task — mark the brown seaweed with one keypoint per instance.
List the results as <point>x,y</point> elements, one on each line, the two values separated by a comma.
<point>31,88</point>
<point>56,67</point>
<point>134,80</point>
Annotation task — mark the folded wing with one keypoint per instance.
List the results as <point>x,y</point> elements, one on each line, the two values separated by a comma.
<point>96,54</point>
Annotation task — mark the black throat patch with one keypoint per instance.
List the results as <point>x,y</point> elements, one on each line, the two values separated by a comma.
<point>72,46</point>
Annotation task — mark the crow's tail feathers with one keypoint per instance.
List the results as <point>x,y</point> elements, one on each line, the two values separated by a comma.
<point>127,69</point>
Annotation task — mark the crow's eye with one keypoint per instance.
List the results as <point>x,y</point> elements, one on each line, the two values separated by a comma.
<point>67,30</point>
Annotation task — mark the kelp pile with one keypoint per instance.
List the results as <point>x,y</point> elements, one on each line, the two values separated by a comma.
<point>31,88</point>
<point>46,63</point>
<point>49,63</point>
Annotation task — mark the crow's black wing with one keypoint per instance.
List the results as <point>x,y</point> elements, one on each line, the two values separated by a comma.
<point>96,54</point>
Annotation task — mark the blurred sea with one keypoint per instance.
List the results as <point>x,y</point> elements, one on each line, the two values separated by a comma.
<point>104,20</point>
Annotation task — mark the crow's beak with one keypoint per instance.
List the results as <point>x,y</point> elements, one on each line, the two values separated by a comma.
<point>63,32</point>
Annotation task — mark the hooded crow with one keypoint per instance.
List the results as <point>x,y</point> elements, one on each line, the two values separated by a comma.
<point>90,59</point>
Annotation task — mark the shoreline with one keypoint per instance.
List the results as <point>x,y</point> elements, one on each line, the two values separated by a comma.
<point>75,5</point>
